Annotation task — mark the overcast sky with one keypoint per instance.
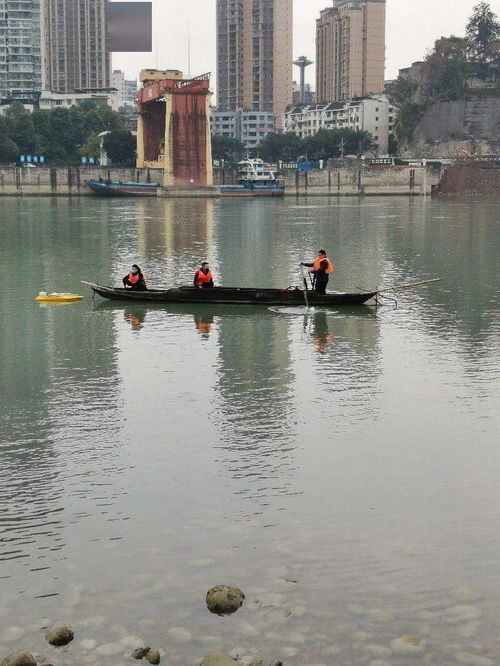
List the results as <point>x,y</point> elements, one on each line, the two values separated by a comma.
<point>412,28</point>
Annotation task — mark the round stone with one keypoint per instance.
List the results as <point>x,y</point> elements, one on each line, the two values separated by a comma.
<point>19,658</point>
<point>224,599</point>
<point>153,657</point>
<point>59,636</point>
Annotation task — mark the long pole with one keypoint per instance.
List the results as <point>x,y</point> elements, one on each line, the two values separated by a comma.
<point>395,287</point>
<point>305,286</point>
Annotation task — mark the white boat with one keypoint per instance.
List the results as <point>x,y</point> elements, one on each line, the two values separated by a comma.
<point>255,179</point>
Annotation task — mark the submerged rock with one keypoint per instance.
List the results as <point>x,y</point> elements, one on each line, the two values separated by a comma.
<point>219,659</point>
<point>140,653</point>
<point>59,636</point>
<point>276,663</point>
<point>153,657</point>
<point>224,599</point>
<point>407,645</point>
<point>19,658</point>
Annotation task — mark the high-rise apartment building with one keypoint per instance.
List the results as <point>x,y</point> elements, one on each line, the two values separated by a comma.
<point>20,52</point>
<point>76,57</point>
<point>350,50</point>
<point>254,55</point>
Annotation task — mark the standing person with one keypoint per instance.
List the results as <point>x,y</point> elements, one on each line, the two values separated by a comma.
<point>203,277</point>
<point>321,269</point>
<point>135,279</point>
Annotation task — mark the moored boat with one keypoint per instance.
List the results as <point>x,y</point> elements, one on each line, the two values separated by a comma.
<point>233,295</point>
<point>109,189</point>
<point>255,179</point>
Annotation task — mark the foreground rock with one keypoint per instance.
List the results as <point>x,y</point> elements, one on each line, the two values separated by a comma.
<point>19,658</point>
<point>153,657</point>
<point>59,636</point>
<point>408,645</point>
<point>224,599</point>
<point>140,653</point>
<point>219,659</point>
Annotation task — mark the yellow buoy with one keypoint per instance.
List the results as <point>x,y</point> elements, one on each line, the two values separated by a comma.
<point>44,297</point>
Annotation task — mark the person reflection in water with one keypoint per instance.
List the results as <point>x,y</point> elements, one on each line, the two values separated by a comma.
<point>203,277</point>
<point>321,334</point>
<point>203,325</point>
<point>136,319</point>
<point>135,279</point>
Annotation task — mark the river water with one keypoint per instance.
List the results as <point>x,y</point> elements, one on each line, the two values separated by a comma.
<point>341,468</point>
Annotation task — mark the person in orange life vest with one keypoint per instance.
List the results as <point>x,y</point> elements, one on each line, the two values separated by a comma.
<point>321,269</point>
<point>135,279</point>
<point>203,277</point>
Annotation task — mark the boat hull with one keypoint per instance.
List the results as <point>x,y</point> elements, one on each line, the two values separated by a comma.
<point>233,296</point>
<point>122,189</point>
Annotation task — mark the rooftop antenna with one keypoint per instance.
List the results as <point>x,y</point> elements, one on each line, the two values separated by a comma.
<point>189,50</point>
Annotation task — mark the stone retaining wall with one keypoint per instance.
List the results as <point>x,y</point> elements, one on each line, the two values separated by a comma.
<point>70,181</point>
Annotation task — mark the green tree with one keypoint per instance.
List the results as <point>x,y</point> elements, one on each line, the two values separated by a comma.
<point>393,148</point>
<point>483,33</point>
<point>21,129</point>
<point>226,148</point>
<point>327,144</point>
<point>277,147</point>
<point>120,146</point>
<point>445,71</point>
<point>91,147</point>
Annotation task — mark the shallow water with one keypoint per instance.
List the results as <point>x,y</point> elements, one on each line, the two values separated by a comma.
<point>341,468</point>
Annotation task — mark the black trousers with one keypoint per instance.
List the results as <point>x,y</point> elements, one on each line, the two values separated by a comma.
<point>320,284</point>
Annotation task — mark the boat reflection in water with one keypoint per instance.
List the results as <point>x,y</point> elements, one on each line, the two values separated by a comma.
<point>318,327</point>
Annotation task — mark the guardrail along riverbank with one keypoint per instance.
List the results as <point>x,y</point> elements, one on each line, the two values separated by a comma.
<point>357,181</point>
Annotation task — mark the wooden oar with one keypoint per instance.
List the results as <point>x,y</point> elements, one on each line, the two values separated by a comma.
<point>395,287</point>
<point>305,285</point>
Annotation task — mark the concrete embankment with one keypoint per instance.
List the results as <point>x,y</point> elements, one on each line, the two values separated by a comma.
<point>70,181</point>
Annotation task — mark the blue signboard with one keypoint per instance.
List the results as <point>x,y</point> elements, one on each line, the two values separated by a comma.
<point>22,158</point>
<point>83,160</point>
<point>91,160</point>
<point>307,166</point>
<point>42,159</point>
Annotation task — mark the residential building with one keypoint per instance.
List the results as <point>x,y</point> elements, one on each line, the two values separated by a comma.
<point>254,55</point>
<point>126,90</point>
<point>20,51</point>
<point>49,100</point>
<point>350,50</point>
<point>375,115</point>
<point>249,127</point>
<point>75,45</point>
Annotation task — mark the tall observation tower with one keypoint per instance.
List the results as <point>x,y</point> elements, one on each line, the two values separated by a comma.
<point>302,63</point>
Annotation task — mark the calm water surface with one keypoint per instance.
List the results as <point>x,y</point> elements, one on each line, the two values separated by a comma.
<point>342,469</point>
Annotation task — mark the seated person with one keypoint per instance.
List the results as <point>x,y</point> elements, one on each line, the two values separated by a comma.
<point>135,279</point>
<point>203,277</point>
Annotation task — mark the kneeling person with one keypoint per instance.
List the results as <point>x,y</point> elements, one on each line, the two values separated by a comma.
<point>203,277</point>
<point>135,279</point>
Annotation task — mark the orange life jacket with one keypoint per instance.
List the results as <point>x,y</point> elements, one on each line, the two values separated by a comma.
<point>202,278</point>
<point>319,260</point>
<point>138,278</point>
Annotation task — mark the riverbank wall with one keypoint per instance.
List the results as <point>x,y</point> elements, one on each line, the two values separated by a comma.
<point>356,181</point>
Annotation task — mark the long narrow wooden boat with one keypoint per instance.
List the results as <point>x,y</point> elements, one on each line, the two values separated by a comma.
<point>232,295</point>
<point>109,189</point>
